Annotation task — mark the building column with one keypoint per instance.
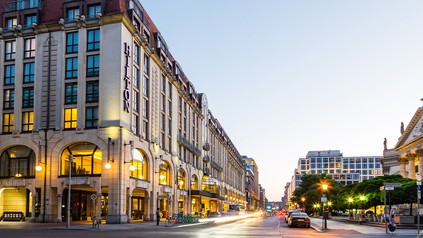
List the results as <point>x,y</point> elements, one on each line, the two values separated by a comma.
<point>59,208</point>
<point>411,166</point>
<point>403,172</point>
<point>419,154</point>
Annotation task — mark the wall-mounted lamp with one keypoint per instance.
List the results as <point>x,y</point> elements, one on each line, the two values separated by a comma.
<point>109,143</point>
<point>39,167</point>
<point>131,143</point>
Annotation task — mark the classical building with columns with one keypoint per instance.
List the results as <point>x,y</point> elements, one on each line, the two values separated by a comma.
<point>95,108</point>
<point>406,158</point>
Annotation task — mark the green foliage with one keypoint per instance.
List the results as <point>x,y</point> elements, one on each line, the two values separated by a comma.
<point>311,189</point>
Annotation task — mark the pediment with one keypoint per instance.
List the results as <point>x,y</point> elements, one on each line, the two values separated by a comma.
<point>414,130</point>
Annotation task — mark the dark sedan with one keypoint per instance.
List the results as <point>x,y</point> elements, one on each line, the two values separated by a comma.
<point>299,219</point>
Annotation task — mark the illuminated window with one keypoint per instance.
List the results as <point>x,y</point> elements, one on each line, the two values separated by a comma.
<point>140,165</point>
<point>72,42</point>
<point>71,93</point>
<point>164,173</point>
<point>11,22</point>
<point>71,68</point>
<point>70,118</point>
<point>29,50</point>
<point>17,161</point>
<point>9,99</point>
<point>91,117</point>
<point>9,74</point>
<point>27,121</point>
<point>10,50</point>
<point>93,65</point>
<point>93,40</point>
<point>182,179</point>
<point>87,160</point>
<point>28,97</point>
<point>29,72</point>
<point>8,119</point>
<point>194,182</point>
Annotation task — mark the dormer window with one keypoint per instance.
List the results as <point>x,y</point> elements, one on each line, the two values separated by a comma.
<point>11,22</point>
<point>72,14</point>
<point>29,19</point>
<point>93,10</point>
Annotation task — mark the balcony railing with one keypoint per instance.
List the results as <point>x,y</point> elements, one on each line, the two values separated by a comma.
<point>187,144</point>
<point>22,5</point>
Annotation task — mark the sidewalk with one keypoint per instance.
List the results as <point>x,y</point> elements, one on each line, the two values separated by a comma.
<point>334,225</point>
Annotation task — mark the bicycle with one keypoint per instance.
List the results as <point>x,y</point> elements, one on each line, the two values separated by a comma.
<point>171,220</point>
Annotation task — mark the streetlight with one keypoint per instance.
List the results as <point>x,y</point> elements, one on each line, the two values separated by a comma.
<point>323,200</point>
<point>350,200</point>
<point>69,191</point>
<point>362,211</point>
<point>303,200</point>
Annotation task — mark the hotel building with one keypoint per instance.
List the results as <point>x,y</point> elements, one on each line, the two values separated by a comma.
<point>92,99</point>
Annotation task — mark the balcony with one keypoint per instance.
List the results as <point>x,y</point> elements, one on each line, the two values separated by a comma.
<point>187,144</point>
<point>19,5</point>
<point>217,166</point>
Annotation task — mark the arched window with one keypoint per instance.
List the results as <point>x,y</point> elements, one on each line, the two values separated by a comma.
<point>194,182</point>
<point>17,161</point>
<point>209,184</point>
<point>164,173</point>
<point>86,159</point>
<point>140,168</point>
<point>182,179</point>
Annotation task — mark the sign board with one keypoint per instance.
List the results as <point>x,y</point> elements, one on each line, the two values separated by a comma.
<point>269,208</point>
<point>323,199</point>
<point>388,188</point>
<point>419,178</point>
<point>93,196</point>
<point>393,184</point>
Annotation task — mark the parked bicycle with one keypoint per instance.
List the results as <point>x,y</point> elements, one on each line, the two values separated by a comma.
<point>170,220</point>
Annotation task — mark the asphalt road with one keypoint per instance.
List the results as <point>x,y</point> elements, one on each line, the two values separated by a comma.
<point>243,228</point>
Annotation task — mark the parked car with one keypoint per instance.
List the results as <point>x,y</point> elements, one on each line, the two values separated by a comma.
<point>299,219</point>
<point>214,214</point>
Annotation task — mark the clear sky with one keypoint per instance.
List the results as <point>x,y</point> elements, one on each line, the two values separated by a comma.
<point>287,77</point>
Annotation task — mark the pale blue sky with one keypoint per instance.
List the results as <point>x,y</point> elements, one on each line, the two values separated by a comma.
<point>286,77</point>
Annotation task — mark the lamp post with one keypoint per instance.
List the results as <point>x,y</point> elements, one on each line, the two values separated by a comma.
<point>69,191</point>
<point>361,215</point>
<point>323,200</point>
<point>350,200</point>
<point>303,201</point>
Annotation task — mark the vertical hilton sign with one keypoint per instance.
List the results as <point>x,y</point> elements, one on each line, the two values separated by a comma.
<point>126,92</point>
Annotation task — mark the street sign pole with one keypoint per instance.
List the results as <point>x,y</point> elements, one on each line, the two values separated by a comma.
<point>419,182</point>
<point>384,209</point>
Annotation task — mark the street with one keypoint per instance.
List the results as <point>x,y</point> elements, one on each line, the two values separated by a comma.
<point>248,227</point>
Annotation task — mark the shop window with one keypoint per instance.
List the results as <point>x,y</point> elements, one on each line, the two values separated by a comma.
<point>70,118</point>
<point>164,173</point>
<point>17,161</point>
<point>86,160</point>
<point>140,165</point>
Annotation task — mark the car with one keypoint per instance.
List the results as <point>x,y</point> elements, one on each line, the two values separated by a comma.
<point>214,214</point>
<point>289,214</point>
<point>299,219</point>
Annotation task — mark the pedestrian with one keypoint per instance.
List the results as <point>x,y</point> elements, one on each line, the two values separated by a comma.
<point>158,216</point>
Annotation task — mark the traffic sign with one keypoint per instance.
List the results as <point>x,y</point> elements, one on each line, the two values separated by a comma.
<point>393,184</point>
<point>388,188</point>
<point>93,196</point>
<point>419,178</point>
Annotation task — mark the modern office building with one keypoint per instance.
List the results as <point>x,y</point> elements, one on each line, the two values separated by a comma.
<point>346,170</point>
<point>406,158</point>
<point>95,108</point>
